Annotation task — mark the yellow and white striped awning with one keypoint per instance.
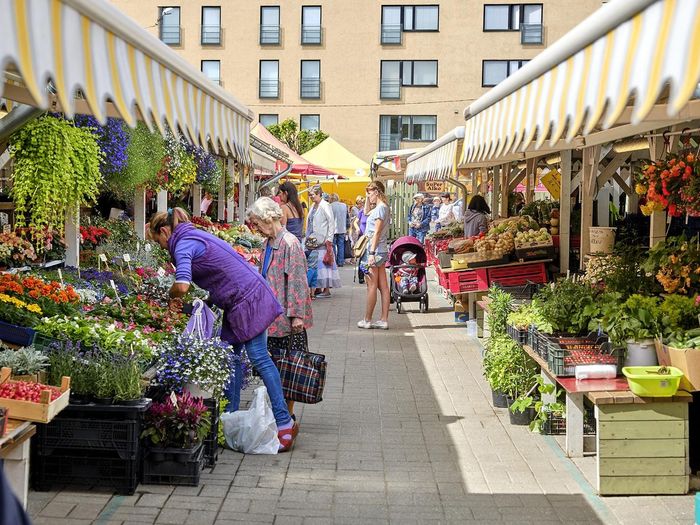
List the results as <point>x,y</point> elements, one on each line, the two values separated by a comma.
<point>91,47</point>
<point>630,48</point>
<point>438,160</point>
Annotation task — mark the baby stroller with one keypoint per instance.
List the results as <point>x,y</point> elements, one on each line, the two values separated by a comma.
<point>408,282</point>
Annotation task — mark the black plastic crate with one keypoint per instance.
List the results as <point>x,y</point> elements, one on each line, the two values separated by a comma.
<point>556,425</point>
<point>211,442</point>
<point>177,467</point>
<point>519,336</point>
<point>565,355</point>
<point>94,411</point>
<point>17,335</point>
<point>85,469</point>
<point>521,293</point>
<point>120,437</point>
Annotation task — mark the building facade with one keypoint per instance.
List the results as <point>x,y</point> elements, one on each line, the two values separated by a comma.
<point>376,75</point>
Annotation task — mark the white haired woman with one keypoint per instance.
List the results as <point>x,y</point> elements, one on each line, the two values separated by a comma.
<point>320,229</point>
<point>284,267</point>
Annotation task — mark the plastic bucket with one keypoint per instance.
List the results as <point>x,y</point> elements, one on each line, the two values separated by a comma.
<point>472,328</point>
<point>641,353</point>
<point>602,239</point>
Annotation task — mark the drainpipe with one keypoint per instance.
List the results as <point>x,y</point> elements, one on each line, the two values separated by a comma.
<point>461,186</point>
<point>275,178</point>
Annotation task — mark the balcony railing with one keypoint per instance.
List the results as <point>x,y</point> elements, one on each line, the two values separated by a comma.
<point>310,88</point>
<point>389,141</point>
<point>269,35</point>
<point>531,34</point>
<point>391,34</point>
<point>170,35</point>
<point>390,88</point>
<point>211,35</point>
<point>269,88</point>
<point>310,34</point>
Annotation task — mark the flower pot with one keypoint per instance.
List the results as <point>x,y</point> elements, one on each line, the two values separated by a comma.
<point>641,353</point>
<point>602,239</point>
<point>195,391</point>
<point>103,400</point>
<point>521,418</point>
<point>130,402</point>
<point>500,400</point>
<point>79,399</point>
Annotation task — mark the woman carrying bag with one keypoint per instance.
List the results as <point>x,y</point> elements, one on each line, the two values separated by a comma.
<point>320,229</point>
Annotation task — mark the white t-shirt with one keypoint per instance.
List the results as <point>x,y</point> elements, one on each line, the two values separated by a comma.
<point>380,212</point>
<point>446,213</point>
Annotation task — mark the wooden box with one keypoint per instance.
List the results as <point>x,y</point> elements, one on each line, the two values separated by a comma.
<point>687,360</point>
<point>42,412</point>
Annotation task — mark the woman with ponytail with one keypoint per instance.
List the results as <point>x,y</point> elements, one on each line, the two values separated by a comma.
<point>248,302</point>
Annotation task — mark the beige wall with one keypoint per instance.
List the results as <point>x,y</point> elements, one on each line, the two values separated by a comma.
<point>350,58</point>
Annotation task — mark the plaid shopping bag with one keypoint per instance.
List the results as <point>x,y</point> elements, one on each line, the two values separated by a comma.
<point>303,373</point>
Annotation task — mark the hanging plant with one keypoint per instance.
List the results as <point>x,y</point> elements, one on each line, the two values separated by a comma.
<point>145,154</point>
<point>113,140</point>
<point>209,167</point>
<point>178,169</point>
<point>56,169</point>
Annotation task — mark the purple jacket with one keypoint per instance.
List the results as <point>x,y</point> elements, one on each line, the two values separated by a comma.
<point>363,221</point>
<point>248,302</point>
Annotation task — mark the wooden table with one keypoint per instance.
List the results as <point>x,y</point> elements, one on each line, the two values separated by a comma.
<point>14,450</point>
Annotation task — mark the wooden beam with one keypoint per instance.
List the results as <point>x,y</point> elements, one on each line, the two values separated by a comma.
<point>657,231</point>
<point>516,175</point>
<point>72,237</point>
<point>505,191</point>
<point>495,190</point>
<point>140,212</point>
<point>221,198</point>
<point>611,168</point>
<point>591,160</point>
<point>623,185</point>
<point>197,200</point>
<point>530,178</point>
<point>162,200</point>
<point>565,211</point>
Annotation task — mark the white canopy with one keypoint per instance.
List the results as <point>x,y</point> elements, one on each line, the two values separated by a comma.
<point>91,47</point>
<point>438,160</point>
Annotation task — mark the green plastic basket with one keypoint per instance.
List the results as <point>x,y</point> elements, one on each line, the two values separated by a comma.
<point>645,381</point>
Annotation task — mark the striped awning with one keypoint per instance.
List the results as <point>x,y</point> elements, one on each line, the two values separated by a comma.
<point>90,47</point>
<point>438,160</point>
<point>645,49</point>
<point>262,161</point>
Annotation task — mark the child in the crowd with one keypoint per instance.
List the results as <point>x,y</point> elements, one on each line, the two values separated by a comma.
<point>407,277</point>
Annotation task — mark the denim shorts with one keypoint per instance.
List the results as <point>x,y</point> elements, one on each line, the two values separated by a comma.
<point>379,259</point>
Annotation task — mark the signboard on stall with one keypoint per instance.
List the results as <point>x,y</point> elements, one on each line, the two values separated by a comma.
<point>552,181</point>
<point>434,186</point>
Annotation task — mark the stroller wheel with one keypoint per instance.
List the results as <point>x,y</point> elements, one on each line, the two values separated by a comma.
<point>424,305</point>
<point>398,307</point>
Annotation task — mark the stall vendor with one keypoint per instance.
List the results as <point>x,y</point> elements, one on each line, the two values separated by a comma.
<point>248,302</point>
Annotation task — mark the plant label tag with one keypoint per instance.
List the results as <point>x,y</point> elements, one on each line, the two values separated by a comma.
<point>147,247</point>
<point>161,272</point>
<point>116,293</point>
<point>138,246</point>
<point>60,276</point>
<point>6,228</point>
<point>126,257</point>
<point>103,258</point>
<point>173,399</point>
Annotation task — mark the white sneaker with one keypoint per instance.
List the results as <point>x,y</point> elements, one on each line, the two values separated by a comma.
<point>382,325</point>
<point>365,324</point>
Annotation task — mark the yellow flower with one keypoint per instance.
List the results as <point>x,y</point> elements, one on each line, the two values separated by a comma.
<point>640,189</point>
<point>34,308</point>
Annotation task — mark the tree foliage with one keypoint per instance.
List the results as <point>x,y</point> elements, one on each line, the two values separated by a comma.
<point>299,140</point>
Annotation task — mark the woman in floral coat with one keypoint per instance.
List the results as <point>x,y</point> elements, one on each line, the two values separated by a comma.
<point>284,267</point>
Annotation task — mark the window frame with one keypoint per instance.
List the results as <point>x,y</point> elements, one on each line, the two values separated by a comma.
<point>201,30</point>
<point>521,17</point>
<point>260,63</point>
<point>403,17</point>
<point>201,68</point>
<point>301,118</point>
<point>403,119</point>
<point>161,8</point>
<point>320,25</point>
<point>301,77</point>
<point>521,63</point>
<point>276,115</point>
<point>413,70</point>
<point>279,25</point>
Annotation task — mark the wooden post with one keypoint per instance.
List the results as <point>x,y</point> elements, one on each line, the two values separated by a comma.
<point>72,235</point>
<point>230,203</point>
<point>221,198</point>
<point>196,200</point>
<point>475,183</point>
<point>495,190</point>
<point>657,231</point>
<point>565,211</point>
<point>140,212</point>
<point>242,175</point>
<point>505,190</point>
<point>530,178</point>
<point>162,202</point>
<point>589,177</point>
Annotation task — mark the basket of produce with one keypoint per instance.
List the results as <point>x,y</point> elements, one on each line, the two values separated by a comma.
<point>533,245</point>
<point>563,356</point>
<point>653,381</point>
<point>461,245</point>
<point>29,401</point>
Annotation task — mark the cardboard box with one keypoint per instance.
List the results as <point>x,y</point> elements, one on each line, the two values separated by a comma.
<point>685,359</point>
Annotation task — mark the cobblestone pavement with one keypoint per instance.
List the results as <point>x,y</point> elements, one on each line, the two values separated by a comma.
<point>405,434</point>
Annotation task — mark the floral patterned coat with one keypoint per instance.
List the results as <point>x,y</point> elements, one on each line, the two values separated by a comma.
<point>286,276</point>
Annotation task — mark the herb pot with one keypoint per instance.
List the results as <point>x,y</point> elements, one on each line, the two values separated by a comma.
<point>103,400</point>
<point>500,399</point>
<point>520,418</point>
<point>79,399</point>
<point>641,353</point>
<point>131,402</point>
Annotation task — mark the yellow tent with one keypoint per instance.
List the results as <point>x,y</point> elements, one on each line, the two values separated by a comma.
<point>334,157</point>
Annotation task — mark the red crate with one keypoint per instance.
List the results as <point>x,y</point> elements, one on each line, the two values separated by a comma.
<point>518,275</point>
<point>442,277</point>
<point>468,281</point>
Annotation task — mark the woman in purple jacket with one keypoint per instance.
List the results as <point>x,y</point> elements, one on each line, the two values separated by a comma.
<point>248,302</point>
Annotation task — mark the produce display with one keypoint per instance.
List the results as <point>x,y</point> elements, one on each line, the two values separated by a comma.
<point>25,391</point>
<point>533,237</point>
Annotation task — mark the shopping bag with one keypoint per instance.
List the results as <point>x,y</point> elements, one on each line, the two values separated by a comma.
<point>252,431</point>
<point>202,321</point>
<point>303,373</point>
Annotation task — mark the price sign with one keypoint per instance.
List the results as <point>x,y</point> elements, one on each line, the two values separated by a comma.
<point>552,181</point>
<point>116,293</point>
<point>161,272</point>
<point>60,276</point>
<point>173,399</point>
<point>147,247</point>
<point>434,186</point>
<point>126,257</point>
<point>6,228</point>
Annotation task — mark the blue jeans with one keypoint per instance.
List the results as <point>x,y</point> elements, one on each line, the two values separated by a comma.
<point>418,234</point>
<point>257,352</point>
<point>339,243</point>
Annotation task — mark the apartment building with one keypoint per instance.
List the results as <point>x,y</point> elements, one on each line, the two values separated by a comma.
<point>376,75</point>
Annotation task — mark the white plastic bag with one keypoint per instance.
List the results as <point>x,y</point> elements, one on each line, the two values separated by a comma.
<point>252,431</point>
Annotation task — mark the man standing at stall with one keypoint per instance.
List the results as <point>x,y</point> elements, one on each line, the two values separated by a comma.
<point>419,217</point>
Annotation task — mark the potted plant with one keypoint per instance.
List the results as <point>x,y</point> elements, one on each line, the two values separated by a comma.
<point>500,305</point>
<point>634,324</point>
<point>509,368</point>
<point>532,400</point>
<point>564,305</point>
<point>27,364</point>
<point>128,388</point>
<point>104,381</point>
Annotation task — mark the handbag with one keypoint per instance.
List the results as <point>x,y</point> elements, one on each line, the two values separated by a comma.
<point>329,257</point>
<point>360,246</point>
<point>303,373</point>
<point>311,243</point>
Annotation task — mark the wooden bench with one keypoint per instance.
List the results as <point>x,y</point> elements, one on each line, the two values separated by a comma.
<point>14,450</point>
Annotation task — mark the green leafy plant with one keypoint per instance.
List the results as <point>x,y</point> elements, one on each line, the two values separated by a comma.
<point>145,159</point>
<point>507,367</point>
<point>500,305</point>
<point>298,140</point>
<point>528,315</point>
<point>563,305</point>
<point>56,170</point>
<point>24,361</point>
<point>542,409</point>
<point>636,319</point>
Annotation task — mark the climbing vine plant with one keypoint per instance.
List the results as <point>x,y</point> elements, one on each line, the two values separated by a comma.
<point>56,169</point>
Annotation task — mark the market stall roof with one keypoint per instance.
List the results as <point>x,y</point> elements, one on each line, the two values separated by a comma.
<point>438,160</point>
<point>89,46</point>
<point>335,157</point>
<point>645,49</point>
<point>391,164</point>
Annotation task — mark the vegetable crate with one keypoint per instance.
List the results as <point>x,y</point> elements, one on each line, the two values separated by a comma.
<point>565,354</point>
<point>468,281</point>
<point>519,336</point>
<point>211,442</point>
<point>41,412</point>
<point>18,335</point>
<point>507,276</point>
<point>534,252</point>
<point>173,466</point>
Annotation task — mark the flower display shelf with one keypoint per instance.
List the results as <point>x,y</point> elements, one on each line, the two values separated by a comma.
<point>17,335</point>
<point>41,412</point>
<point>173,466</point>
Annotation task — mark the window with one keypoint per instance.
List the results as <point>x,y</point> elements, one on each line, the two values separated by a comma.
<point>311,24</point>
<point>269,25</point>
<point>397,73</point>
<point>310,84</point>
<point>495,71</point>
<point>509,17</point>
<point>269,79</point>
<point>169,25</point>
<point>397,19</point>
<point>268,119</point>
<point>396,128</point>
<point>310,122</point>
<point>211,26</point>
<point>212,70</point>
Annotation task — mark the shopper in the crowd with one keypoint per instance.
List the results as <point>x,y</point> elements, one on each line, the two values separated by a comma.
<point>375,256</point>
<point>446,213</point>
<point>205,204</point>
<point>283,265</point>
<point>419,217</point>
<point>434,213</point>
<point>248,302</point>
<point>458,209</point>
<point>519,203</point>
<point>355,208</point>
<point>340,215</point>
<point>476,219</point>
<point>293,213</point>
<point>320,228</point>
<point>356,213</point>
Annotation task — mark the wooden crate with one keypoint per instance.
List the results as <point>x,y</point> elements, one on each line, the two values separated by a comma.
<point>642,448</point>
<point>42,412</point>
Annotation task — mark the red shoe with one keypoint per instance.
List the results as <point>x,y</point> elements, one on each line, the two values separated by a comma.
<point>287,437</point>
